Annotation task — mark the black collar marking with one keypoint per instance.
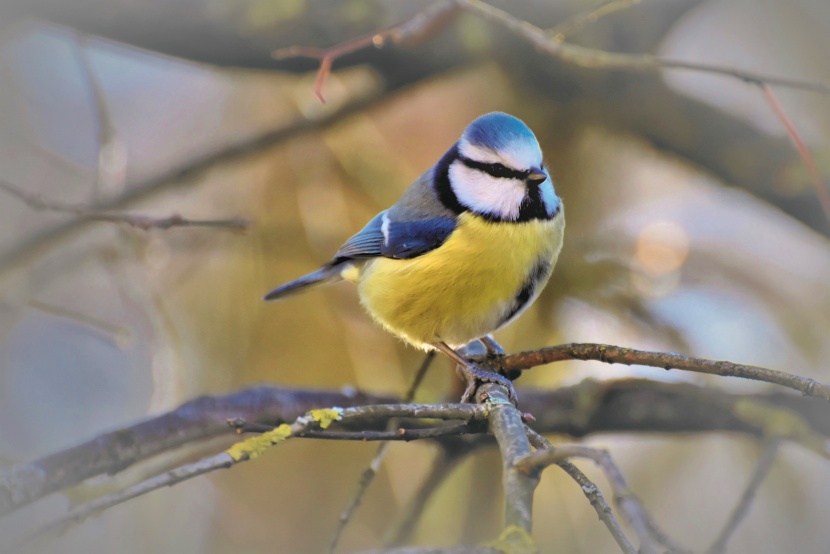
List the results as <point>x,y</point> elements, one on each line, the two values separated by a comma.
<point>441,177</point>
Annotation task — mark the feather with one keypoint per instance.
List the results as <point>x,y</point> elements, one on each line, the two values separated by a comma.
<point>325,274</point>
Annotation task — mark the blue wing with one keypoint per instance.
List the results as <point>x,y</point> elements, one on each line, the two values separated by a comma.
<point>386,237</point>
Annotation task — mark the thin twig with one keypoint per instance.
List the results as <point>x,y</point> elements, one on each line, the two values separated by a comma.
<point>615,406</point>
<point>140,221</point>
<point>600,59</point>
<point>442,466</point>
<point>435,16</point>
<point>182,175</point>
<point>801,146</point>
<point>579,21</point>
<point>369,473</point>
<point>667,360</point>
<point>591,492</point>
<point>742,508</point>
<point>241,452</point>
<point>409,30</point>
<point>399,434</point>
<point>626,502</point>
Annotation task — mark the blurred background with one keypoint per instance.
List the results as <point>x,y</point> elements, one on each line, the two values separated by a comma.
<point>692,227</point>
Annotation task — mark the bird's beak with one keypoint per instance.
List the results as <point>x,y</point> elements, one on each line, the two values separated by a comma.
<point>537,177</point>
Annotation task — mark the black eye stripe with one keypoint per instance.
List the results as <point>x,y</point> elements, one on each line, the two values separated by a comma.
<point>495,169</point>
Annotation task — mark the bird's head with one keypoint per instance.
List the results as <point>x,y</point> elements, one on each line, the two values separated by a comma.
<point>497,171</point>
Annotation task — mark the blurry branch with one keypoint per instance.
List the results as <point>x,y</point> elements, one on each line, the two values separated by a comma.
<point>436,15</point>
<point>369,473</point>
<point>610,354</point>
<point>108,143</point>
<point>639,519</point>
<point>139,221</point>
<point>591,491</point>
<point>446,461</point>
<point>579,21</point>
<point>761,470</point>
<point>118,333</point>
<point>464,549</point>
<point>593,58</point>
<point>177,177</point>
<point>803,151</point>
<point>412,30</point>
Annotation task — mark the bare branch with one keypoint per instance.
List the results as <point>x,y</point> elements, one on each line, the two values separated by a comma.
<point>435,17</point>
<point>411,30</point>
<point>579,21</point>
<point>667,360</point>
<point>252,448</point>
<point>505,423</point>
<point>599,59</point>
<point>639,519</point>
<point>400,434</point>
<point>442,466</point>
<point>461,549</point>
<point>203,418</point>
<point>591,491</point>
<point>625,405</point>
<point>742,508</point>
<point>111,160</point>
<point>139,221</point>
<point>369,473</point>
<point>801,146</point>
<point>179,176</point>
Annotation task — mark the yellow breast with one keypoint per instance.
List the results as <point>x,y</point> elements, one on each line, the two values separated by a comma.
<point>464,289</point>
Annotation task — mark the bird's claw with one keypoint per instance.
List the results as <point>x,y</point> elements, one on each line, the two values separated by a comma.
<point>475,377</point>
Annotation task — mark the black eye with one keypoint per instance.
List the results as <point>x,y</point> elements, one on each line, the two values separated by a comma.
<point>495,169</point>
<point>501,170</point>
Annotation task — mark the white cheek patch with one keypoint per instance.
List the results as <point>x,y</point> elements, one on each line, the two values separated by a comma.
<point>484,194</point>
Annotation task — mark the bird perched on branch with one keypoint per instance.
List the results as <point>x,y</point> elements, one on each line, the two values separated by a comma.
<point>466,249</point>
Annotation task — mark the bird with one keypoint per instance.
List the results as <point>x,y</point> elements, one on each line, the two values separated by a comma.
<point>465,250</point>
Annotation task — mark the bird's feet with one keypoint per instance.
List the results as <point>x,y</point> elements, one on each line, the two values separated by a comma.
<point>476,376</point>
<point>494,349</point>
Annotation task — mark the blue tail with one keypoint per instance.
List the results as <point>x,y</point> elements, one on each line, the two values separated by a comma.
<point>323,275</point>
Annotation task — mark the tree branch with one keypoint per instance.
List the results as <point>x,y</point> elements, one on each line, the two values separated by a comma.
<point>203,418</point>
<point>552,45</point>
<point>252,448</point>
<point>742,508</point>
<point>177,177</point>
<point>592,493</point>
<point>667,360</point>
<point>140,221</point>
<point>624,405</point>
<point>505,423</point>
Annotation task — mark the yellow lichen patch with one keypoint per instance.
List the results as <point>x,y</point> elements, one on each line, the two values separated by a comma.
<point>326,416</point>
<point>780,423</point>
<point>256,446</point>
<point>514,540</point>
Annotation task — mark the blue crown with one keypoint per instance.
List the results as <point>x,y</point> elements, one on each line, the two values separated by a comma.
<point>499,131</point>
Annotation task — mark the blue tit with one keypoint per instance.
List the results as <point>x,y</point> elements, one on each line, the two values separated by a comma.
<point>466,249</point>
